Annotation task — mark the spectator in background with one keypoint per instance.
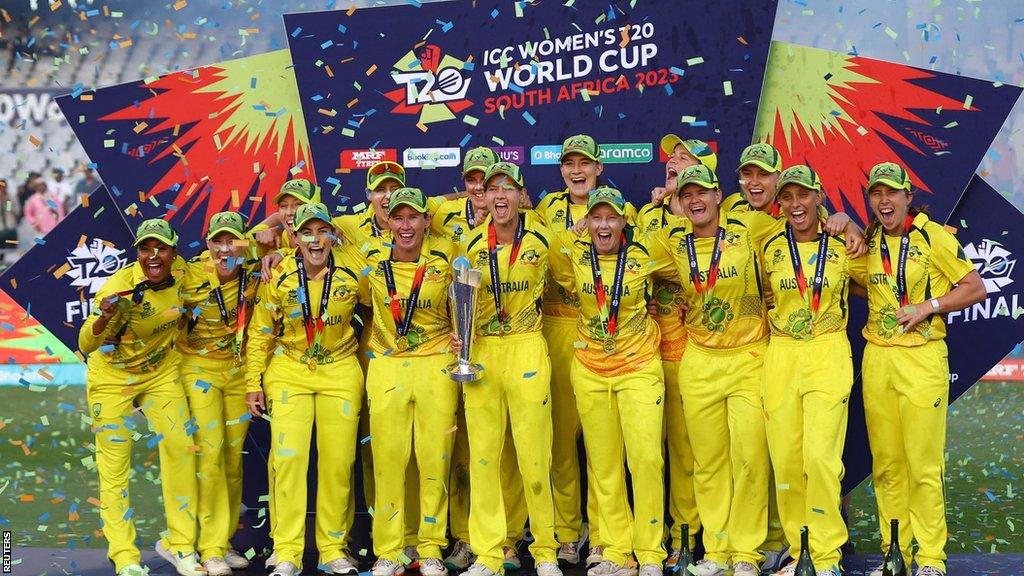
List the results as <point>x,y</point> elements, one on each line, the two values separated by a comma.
<point>61,188</point>
<point>26,189</point>
<point>85,185</point>
<point>8,222</point>
<point>43,210</point>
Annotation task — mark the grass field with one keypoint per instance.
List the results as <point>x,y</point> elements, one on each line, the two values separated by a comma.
<point>48,487</point>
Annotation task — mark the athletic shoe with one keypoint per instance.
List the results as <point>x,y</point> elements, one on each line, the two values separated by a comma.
<point>548,569</point>
<point>651,570</point>
<point>235,560</point>
<point>217,567</point>
<point>184,564</point>
<point>609,568</point>
<point>928,571</point>
<point>385,567</point>
<point>878,570</point>
<point>133,570</point>
<point>787,570</point>
<point>569,552</point>
<point>511,561</point>
<point>460,557</point>
<point>774,559</point>
<point>286,569</point>
<point>673,559</point>
<point>343,565</point>
<point>413,556</point>
<point>745,569</point>
<point>595,557</point>
<point>432,567</point>
<point>478,569</point>
<point>271,561</point>
<point>707,567</point>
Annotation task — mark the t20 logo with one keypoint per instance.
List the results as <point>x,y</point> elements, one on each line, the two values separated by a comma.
<point>433,85</point>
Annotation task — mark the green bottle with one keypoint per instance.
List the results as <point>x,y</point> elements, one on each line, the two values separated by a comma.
<point>685,554</point>
<point>804,566</point>
<point>894,564</point>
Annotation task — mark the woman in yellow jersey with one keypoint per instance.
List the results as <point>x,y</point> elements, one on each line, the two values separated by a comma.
<point>411,397</point>
<point>617,380</point>
<point>129,339</point>
<point>302,345</point>
<point>681,154</point>
<point>805,403</point>
<point>220,287</point>
<point>278,229</point>
<point>511,247</point>
<point>915,273</point>
<point>581,168</point>
<point>455,218</point>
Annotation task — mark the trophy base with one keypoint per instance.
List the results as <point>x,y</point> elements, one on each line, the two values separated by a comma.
<point>460,372</point>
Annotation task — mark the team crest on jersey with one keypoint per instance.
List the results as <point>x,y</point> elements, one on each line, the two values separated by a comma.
<point>457,233</point>
<point>432,274</point>
<point>481,258</point>
<point>732,239</point>
<point>559,215</point>
<point>338,292</point>
<point>529,258</point>
<point>914,253</point>
<point>633,266</point>
<point>147,309</point>
<point>777,256</point>
<point>831,255</point>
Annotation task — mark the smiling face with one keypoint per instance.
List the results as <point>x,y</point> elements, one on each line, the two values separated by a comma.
<point>155,257</point>
<point>503,197</point>
<point>379,195</point>
<point>758,186</point>
<point>474,181</point>
<point>605,225</point>
<point>580,175</point>
<point>316,238</point>
<point>408,227</point>
<point>226,251</point>
<point>680,160</point>
<point>800,207</point>
<point>891,206</point>
<point>699,204</point>
<point>287,206</point>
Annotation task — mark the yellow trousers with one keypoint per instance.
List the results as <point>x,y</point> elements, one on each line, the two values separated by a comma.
<point>721,391</point>
<point>682,504</point>
<point>514,392</point>
<point>112,396</point>
<point>412,409</point>
<point>623,419</point>
<point>560,335</point>
<point>216,397</point>
<point>806,394</point>
<point>906,396</point>
<point>297,398</point>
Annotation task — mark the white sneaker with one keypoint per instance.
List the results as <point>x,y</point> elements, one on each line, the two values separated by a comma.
<point>133,570</point>
<point>184,564</point>
<point>235,560</point>
<point>461,556</point>
<point>609,568</point>
<point>708,568</point>
<point>412,555</point>
<point>286,569</point>
<point>511,561</point>
<point>271,561</point>
<point>878,570</point>
<point>928,571</point>
<point>216,566</point>
<point>548,569</point>
<point>774,559</point>
<point>385,567</point>
<point>478,569</point>
<point>343,565</point>
<point>651,570</point>
<point>595,556</point>
<point>745,569</point>
<point>432,567</point>
<point>787,570</point>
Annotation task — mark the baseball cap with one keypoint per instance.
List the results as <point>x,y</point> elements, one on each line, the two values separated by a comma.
<point>226,222</point>
<point>609,196</point>
<point>156,228</point>
<point>800,175</point>
<point>762,155</point>
<point>478,158</point>
<point>299,188</point>
<point>580,144</point>
<point>311,211</point>
<point>699,149</point>
<point>411,197</point>
<point>891,174</point>
<point>382,171</point>
<point>508,169</point>
<point>697,174</point>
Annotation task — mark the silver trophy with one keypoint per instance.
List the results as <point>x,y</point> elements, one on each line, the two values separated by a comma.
<point>462,303</point>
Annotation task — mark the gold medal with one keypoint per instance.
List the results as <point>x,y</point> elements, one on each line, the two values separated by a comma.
<point>609,345</point>
<point>506,328</point>
<point>312,364</point>
<point>402,343</point>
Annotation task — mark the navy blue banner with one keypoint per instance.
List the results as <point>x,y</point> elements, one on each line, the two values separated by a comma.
<point>626,73</point>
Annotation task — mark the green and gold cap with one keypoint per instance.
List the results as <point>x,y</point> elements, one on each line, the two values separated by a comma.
<point>508,169</point>
<point>699,149</point>
<point>800,175</point>
<point>156,228</point>
<point>311,211</point>
<point>230,222</point>
<point>580,144</point>
<point>698,174</point>
<point>891,174</point>
<point>382,171</point>
<point>762,155</point>
<point>299,188</point>
<point>411,197</point>
<point>607,195</point>
<point>478,159</point>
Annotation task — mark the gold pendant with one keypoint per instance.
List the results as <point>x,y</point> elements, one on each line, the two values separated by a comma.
<point>312,364</point>
<point>609,345</point>
<point>402,343</point>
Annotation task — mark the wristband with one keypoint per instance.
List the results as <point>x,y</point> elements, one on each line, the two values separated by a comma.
<point>935,305</point>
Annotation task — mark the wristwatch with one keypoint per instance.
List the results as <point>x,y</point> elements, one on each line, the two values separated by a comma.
<point>935,305</point>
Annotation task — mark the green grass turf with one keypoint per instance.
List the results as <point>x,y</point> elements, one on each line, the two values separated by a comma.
<point>46,474</point>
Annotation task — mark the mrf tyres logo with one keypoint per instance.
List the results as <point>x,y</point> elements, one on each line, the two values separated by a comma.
<point>995,264</point>
<point>432,84</point>
<point>91,264</point>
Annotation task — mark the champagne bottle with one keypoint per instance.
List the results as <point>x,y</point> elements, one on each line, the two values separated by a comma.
<point>894,564</point>
<point>685,554</point>
<point>804,566</point>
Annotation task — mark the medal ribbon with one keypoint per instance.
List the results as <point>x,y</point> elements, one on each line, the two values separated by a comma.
<point>470,218</point>
<point>819,268</point>
<point>402,323</point>
<point>901,265</point>
<point>243,282</point>
<point>716,257</point>
<point>314,328</point>
<point>568,211</point>
<point>492,253</point>
<point>599,291</point>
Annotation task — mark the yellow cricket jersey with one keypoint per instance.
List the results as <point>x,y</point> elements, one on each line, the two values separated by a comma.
<point>429,327</point>
<point>733,312</point>
<point>735,202</point>
<point>277,331</point>
<point>146,324</point>
<point>667,293</point>
<point>206,332</point>
<point>935,261</point>
<point>451,220</point>
<point>792,316</point>
<point>521,281</point>
<point>357,228</point>
<point>637,338</point>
